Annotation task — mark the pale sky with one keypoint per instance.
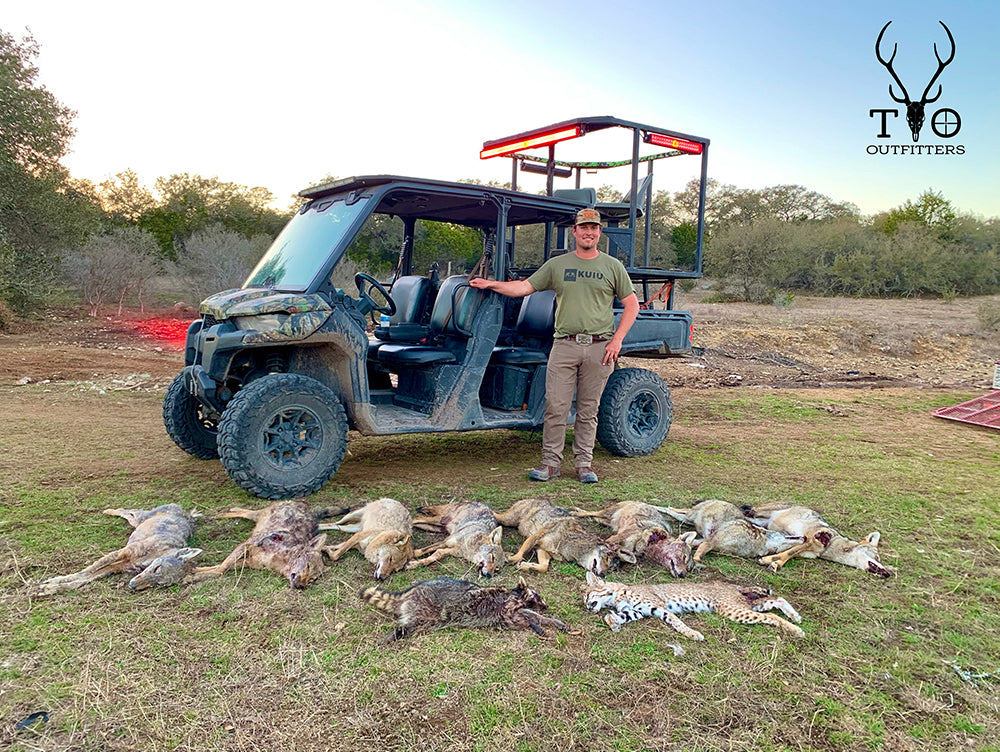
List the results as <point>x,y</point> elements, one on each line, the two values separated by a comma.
<point>280,95</point>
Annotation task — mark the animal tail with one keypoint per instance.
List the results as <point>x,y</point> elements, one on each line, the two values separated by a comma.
<point>381,599</point>
<point>327,512</point>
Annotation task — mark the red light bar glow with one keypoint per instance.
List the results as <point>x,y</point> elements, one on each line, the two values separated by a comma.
<point>670,142</point>
<point>545,139</point>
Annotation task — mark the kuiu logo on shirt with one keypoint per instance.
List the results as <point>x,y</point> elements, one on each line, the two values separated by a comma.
<point>570,275</point>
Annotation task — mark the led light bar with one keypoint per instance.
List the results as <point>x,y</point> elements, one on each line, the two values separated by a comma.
<point>541,169</point>
<point>544,139</point>
<point>671,142</point>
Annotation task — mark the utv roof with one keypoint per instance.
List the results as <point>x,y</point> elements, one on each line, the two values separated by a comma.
<point>569,129</point>
<point>462,203</point>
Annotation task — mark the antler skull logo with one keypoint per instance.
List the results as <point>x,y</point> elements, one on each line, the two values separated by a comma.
<point>914,110</point>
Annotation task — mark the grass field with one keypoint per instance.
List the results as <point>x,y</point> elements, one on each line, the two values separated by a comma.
<point>246,663</point>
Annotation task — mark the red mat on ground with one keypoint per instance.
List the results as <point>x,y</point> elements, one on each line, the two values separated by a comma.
<point>982,411</point>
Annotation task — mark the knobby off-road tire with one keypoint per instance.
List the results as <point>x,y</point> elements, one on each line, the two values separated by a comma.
<point>186,424</point>
<point>635,413</point>
<point>283,435</point>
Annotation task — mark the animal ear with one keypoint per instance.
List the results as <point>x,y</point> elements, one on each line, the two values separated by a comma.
<point>318,542</point>
<point>497,535</point>
<point>404,539</point>
<point>689,537</point>
<point>873,539</point>
<point>627,556</point>
<point>593,579</point>
<point>521,584</point>
<point>186,554</point>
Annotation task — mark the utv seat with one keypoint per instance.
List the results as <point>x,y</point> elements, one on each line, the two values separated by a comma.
<point>412,295</point>
<point>454,309</point>
<point>534,329</point>
<point>617,212</point>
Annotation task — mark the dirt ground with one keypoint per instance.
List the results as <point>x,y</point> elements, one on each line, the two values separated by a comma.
<point>815,342</point>
<point>838,342</point>
<point>826,345</point>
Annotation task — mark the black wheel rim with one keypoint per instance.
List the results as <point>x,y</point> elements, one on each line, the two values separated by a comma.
<point>643,415</point>
<point>292,438</point>
<point>208,424</point>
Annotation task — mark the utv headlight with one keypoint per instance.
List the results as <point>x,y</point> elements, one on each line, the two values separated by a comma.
<point>264,322</point>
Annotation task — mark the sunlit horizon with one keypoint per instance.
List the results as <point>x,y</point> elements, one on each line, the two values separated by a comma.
<point>262,98</point>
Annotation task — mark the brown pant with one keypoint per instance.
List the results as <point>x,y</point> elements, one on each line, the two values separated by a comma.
<point>573,368</point>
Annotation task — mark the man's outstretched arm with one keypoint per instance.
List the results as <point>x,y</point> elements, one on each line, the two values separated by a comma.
<point>516,288</point>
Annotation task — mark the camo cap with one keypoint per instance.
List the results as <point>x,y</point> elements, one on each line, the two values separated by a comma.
<point>587,217</point>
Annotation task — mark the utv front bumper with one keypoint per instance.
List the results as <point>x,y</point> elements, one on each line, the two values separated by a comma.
<point>202,387</point>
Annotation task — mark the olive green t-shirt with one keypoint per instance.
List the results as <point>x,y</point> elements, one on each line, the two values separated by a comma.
<point>585,290</point>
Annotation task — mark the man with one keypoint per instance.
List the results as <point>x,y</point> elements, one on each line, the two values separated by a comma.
<point>586,343</point>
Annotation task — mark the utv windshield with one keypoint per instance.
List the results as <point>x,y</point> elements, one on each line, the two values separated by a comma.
<point>302,249</point>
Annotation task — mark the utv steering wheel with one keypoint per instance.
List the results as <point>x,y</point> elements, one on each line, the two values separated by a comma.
<point>366,283</point>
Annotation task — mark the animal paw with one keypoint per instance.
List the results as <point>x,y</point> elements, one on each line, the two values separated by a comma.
<point>771,562</point>
<point>51,586</point>
<point>613,621</point>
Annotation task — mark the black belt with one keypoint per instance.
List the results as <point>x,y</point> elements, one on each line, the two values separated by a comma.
<point>583,338</point>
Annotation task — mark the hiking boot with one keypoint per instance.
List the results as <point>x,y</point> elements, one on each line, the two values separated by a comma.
<point>544,473</point>
<point>586,475</point>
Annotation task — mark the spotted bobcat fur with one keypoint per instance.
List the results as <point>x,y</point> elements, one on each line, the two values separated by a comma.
<point>742,604</point>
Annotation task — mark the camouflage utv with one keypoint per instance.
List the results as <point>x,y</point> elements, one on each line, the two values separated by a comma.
<point>277,372</point>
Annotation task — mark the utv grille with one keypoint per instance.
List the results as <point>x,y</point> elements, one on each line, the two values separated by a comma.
<point>208,321</point>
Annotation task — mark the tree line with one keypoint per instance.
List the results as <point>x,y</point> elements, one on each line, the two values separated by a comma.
<point>787,239</point>
<point>109,240</point>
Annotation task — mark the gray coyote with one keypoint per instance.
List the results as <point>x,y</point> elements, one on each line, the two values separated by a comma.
<point>641,530</point>
<point>284,540</point>
<point>820,539</point>
<point>473,534</point>
<point>156,552</point>
<point>723,528</point>
<point>555,534</point>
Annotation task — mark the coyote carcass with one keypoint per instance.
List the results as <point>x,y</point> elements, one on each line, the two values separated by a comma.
<point>473,534</point>
<point>820,540</point>
<point>641,530</point>
<point>723,528</point>
<point>284,540</point>
<point>383,533</point>
<point>156,551</point>
<point>444,602</point>
<point>555,534</point>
